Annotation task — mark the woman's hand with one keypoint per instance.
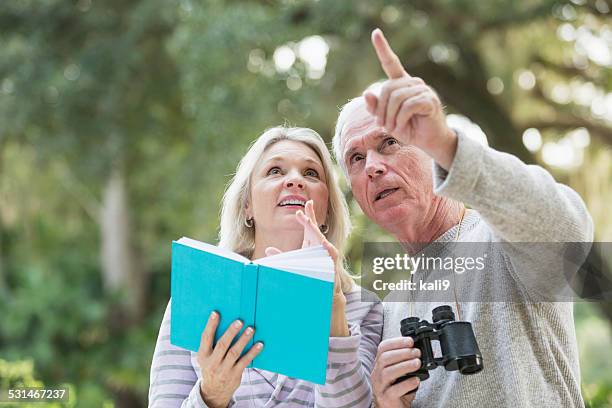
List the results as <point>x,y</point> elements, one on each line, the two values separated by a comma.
<point>221,366</point>
<point>313,236</point>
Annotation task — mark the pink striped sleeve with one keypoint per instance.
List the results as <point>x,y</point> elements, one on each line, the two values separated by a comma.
<point>173,381</point>
<point>351,359</point>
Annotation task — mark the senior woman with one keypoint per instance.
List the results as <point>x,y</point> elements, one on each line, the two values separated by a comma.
<point>282,187</point>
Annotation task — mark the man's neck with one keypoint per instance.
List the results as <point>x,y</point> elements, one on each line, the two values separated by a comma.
<point>441,217</point>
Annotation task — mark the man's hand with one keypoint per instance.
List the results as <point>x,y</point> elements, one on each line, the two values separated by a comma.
<point>395,357</point>
<point>409,109</point>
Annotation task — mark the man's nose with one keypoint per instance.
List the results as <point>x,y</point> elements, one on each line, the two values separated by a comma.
<point>374,167</point>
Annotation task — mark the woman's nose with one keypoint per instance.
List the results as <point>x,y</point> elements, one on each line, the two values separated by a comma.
<point>294,182</point>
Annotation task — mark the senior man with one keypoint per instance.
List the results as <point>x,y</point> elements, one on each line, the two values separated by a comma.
<point>385,141</point>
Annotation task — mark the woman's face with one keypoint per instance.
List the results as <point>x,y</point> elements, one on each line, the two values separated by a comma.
<point>288,174</point>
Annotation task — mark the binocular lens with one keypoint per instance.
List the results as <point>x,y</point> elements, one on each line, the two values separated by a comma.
<point>458,346</point>
<point>469,365</point>
<point>442,313</point>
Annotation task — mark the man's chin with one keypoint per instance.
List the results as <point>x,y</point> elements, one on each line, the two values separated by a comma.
<point>389,216</point>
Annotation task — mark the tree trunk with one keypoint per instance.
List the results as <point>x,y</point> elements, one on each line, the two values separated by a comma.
<point>4,291</point>
<point>122,273</point>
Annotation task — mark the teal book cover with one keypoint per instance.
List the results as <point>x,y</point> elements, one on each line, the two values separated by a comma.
<point>287,298</point>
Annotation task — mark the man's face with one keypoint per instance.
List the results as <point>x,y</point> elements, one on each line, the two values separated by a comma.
<point>392,182</point>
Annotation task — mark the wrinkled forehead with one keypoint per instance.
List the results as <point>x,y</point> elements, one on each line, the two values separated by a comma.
<point>359,126</point>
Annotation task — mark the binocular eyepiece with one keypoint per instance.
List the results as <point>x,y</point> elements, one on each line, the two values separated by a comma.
<point>457,343</point>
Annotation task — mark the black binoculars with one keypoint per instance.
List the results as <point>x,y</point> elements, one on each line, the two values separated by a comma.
<point>457,343</point>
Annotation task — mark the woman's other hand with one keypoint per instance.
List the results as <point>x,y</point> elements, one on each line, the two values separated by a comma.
<point>313,236</point>
<point>222,365</point>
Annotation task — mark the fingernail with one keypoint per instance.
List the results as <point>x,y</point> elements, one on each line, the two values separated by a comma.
<point>213,315</point>
<point>259,345</point>
<point>249,330</point>
<point>237,324</point>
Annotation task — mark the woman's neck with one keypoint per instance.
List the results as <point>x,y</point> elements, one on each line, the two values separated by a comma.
<point>285,241</point>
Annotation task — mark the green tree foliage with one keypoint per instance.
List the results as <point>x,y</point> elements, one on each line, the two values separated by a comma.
<point>19,375</point>
<point>130,116</point>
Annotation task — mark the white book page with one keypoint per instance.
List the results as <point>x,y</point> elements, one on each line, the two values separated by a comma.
<point>212,249</point>
<point>313,262</point>
<point>296,253</point>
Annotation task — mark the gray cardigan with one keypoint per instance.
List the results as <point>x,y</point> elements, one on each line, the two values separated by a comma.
<point>529,347</point>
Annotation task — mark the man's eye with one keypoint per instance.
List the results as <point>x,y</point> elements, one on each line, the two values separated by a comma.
<point>389,142</point>
<point>355,158</point>
<point>311,173</point>
<point>274,170</point>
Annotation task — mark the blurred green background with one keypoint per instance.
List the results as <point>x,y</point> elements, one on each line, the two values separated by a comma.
<point>121,122</point>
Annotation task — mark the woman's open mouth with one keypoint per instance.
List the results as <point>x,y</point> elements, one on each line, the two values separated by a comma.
<point>292,202</point>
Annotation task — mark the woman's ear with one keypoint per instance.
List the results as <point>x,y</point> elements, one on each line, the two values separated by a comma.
<point>327,216</point>
<point>247,210</point>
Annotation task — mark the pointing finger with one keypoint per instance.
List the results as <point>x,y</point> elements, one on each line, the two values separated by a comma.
<point>390,62</point>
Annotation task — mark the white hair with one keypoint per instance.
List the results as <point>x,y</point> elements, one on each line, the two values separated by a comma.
<point>347,112</point>
<point>236,236</point>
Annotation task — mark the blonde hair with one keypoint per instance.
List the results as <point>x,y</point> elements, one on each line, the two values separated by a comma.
<point>236,236</point>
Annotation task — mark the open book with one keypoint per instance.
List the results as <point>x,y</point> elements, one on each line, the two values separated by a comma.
<point>286,297</point>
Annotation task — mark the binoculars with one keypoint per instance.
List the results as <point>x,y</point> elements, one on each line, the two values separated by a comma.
<point>457,343</point>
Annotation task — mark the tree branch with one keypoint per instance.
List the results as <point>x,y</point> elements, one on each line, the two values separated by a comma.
<point>594,10</point>
<point>569,123</point>
<point>566,119</point>
<point>566,70</point>
<point>517,18</point>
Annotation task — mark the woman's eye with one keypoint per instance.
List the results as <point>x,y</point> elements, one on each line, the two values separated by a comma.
<point>274,170</point>
<point>311,173</point>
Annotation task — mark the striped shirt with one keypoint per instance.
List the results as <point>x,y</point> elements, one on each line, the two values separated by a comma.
<point>175,374</point>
